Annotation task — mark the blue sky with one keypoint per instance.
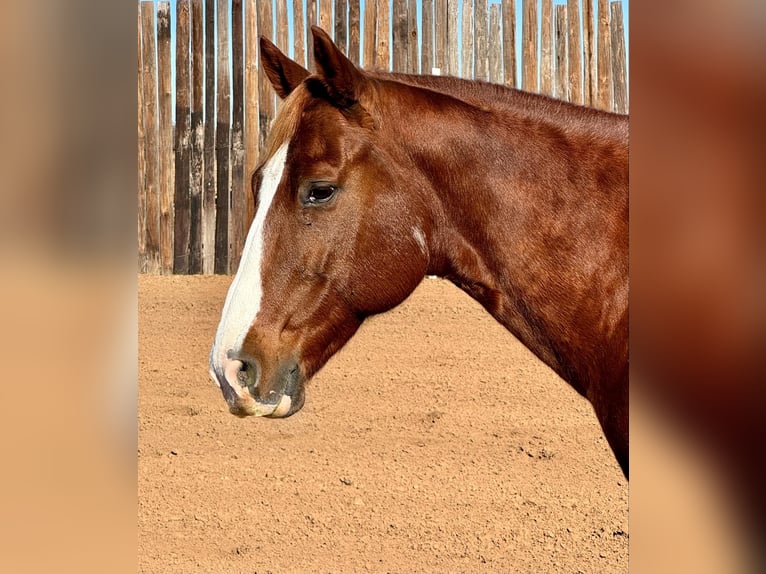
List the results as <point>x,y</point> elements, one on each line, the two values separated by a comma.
<point>626,16</point>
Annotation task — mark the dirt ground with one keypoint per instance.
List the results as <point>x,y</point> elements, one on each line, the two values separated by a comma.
<point>433,442</point>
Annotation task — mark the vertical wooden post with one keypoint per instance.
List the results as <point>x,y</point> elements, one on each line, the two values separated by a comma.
<point>509,43</point>
<point>605,99</point>
<point>495,40</point>
<point>413,65</point>
<point>574,52</point>
<point>197,138</point>
<point>341,16</point>
<point>209,169</point>
<point>619,72</point>
<point>481,52</point>
<point>467,71</point>
<point>561,91</point>
<point>265,91</point>
<point>282,35</point>
<point>453,67</point>
<point>529,46</point>
<point>546,49</point>
<point>399,29</point>
<point>589,62</point>
<point>252,54</point>
<point>383,36</point>
<point>151,263</point>
<point>299,33</point>
<point>370,17</point>
<point>238,221</point>
<point>311,20</point>
<point>325,16</point>
<point>222,143</point>
<point>141,153</point>
<point>165,137</point>
<point>427,31</point>
<point>182,209</point>
<point>440,35</point>
<point>353,30</point>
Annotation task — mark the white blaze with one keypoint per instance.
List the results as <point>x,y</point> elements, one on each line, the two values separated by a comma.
<point>244,298</point>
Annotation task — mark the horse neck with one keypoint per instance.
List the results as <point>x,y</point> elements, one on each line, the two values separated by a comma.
<point>529,218</point>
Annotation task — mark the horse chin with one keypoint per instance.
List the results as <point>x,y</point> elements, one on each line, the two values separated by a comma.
<point>246,406</point>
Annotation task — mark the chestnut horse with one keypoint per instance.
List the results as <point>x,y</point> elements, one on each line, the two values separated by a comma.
<point>369,181</point>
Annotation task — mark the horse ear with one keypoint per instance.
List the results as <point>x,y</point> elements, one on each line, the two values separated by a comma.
<point>284,74</point>
<point>342,79</point>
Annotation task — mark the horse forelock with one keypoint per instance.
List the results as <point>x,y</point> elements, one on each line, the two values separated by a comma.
<point>286,122</point>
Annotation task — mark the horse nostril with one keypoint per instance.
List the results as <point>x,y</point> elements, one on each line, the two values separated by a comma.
<point>243,373</point>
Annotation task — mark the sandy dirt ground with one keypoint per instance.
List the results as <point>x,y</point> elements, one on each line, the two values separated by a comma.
<point>433,442</point>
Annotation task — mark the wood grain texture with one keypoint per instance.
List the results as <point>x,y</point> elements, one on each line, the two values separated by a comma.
<point>589,62</point>
<point>481,49</point>
<point>383,36</point>
<point>181,198</point>
<point>209,168</point>
<point>427,35</point>
<point>413,62</point>
<point>561,90</point>
<point>141,133</point>
<point>495,46</point>
<point>266,95</point>
<point>529,46</point>
<point>354,37</point>
<point>605,91</point>
<point>440,35</point>
<point>574,54</point>
<point>238,219</point>
<point>370,20</point>
<point>196,160</point>
<point>453,46</point>
<point>222,136</point>
<point>619,69</point>
<point>467,51</point>
<point>341,25</point>
<point>165,144</point>
<point>546,49</point>
<point>509,43</point>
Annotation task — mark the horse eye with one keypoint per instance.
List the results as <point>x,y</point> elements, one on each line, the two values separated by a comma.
<point>321,194</point>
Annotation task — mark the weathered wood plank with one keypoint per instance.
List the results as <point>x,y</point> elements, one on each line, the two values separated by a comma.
<point>467,52</point>
<point>529,46</point>
<point>399,34</point>
<point>383,36</point>
<point>325,16</point>
<point>427,31</point>
<point>619,71</point>
<point>440,35</point>
<point>413,63</point>
<point>354,36</point>
<point>165,93</point>
<point>589,62</point>
<point>509,42</point>
<point>341,23</point>
<point>238,218</point>
<point>481,52</point>
<point>546,49</point>
<point>151,262</point>
<point>282,34</point>
<point>311,20</point>
<point>495,43</point>
<point>141,151</point>
<point>266,95</point>
<point>561,90</point>
<point>370,17</point>
<point>222,135</point>
<point>197,139</point>
<point>209,168</point>
<point>182,219</point>
<point>605,97</point>
<point>453,48</point>
<point>574,56</point>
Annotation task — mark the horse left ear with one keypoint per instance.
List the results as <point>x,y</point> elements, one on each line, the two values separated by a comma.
<point>342,79</point>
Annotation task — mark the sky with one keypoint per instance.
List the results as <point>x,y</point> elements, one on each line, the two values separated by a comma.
<point>626,17</point>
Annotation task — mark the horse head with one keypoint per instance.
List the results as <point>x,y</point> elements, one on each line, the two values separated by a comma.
<point>338,235</point>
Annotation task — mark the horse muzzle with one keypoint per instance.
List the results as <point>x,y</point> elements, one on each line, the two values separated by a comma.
<point>248,394</point>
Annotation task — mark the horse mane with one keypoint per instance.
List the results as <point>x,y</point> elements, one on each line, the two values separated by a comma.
<point>536,107</point>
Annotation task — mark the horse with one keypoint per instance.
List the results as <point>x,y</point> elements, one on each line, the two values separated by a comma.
<point>369,181</point>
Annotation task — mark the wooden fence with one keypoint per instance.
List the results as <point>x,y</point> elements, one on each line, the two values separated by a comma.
<point>195,204</point>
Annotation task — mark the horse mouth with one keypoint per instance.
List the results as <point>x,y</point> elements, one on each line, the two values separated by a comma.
<point>245,406</point>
